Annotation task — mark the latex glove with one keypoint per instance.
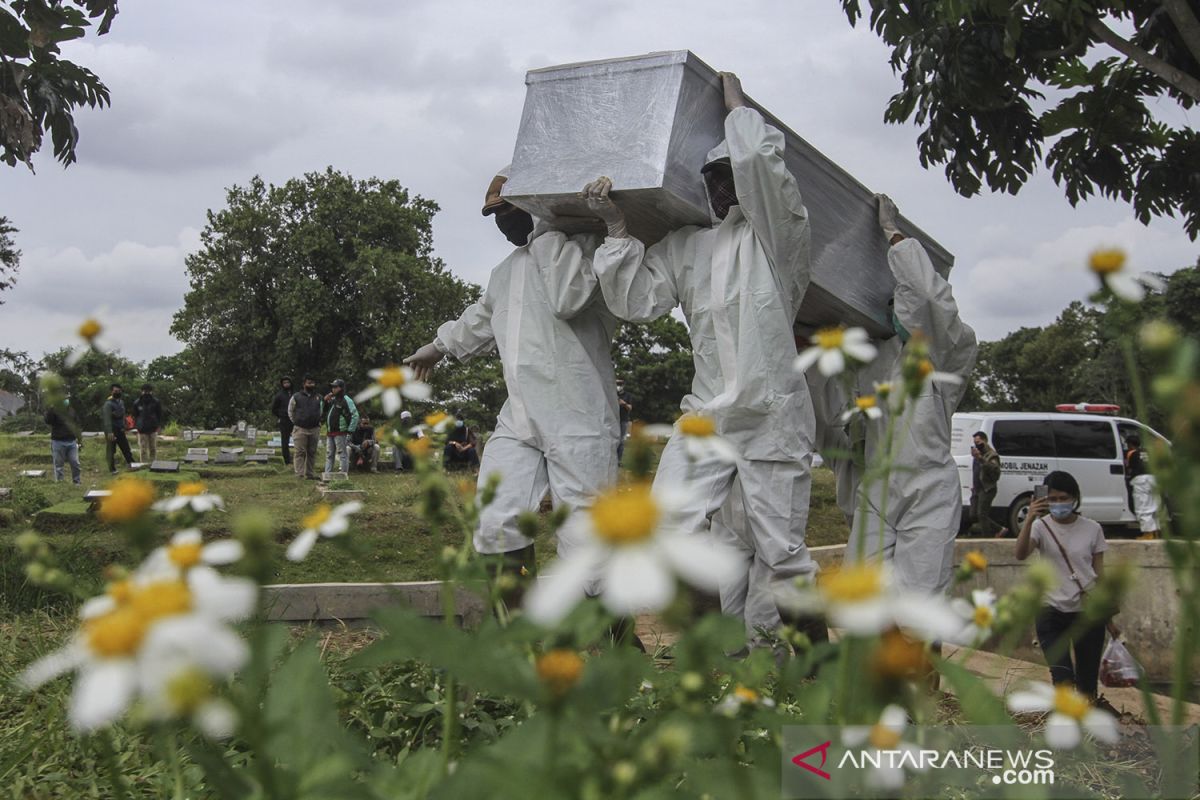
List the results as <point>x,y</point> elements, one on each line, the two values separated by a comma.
<point>424,360</point>
<point>889,217</point>
<point>731,87</point>
<point>595,194</point>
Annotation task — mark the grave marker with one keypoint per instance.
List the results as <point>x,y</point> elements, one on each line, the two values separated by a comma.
<point>164,466</point>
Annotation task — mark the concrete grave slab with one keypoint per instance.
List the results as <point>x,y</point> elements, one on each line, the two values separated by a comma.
<point>355,602</point>
<point>5,492</point>
<point>226,458</point>
<point>33,473</point>
<point>255,458</point>
<point>234,450</point>
<point>164,466</point>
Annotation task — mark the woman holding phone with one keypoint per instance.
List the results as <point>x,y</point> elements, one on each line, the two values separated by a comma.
<point>1074,545</point>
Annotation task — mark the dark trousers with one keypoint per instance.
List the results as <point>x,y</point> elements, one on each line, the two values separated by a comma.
<point>110,450</point>
<point>981,511</point>
<point>1058,640</point>
<point>285,433</point>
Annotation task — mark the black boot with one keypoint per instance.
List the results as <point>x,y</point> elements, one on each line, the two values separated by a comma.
<point>516,569</point>
<point>813,627</point>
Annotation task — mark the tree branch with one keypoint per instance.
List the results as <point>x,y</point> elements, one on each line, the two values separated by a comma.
<point>1186,23</point>
<point>1172,75</point>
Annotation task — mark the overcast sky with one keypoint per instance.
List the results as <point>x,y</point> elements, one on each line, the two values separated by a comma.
<point>206,95</point>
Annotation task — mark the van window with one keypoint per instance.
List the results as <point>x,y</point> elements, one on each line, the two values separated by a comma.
<point>1023,437</point>
<point>1085,439</point>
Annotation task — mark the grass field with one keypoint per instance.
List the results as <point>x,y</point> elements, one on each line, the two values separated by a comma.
<point>398,545</point>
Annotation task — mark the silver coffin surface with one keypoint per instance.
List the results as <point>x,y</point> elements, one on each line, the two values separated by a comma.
<point>647,122</point>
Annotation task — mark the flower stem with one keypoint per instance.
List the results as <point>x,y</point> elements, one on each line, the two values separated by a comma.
<point>450,713</point>
<point>108,755</point>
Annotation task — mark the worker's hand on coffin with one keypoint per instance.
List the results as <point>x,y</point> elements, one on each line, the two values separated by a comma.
<point>731,87</point>
<point>424,360</point>
<point>889,216</point>
<point>595,194</point>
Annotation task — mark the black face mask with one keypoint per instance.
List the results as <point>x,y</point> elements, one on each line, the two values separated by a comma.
<point>116,395</point>
<point>722,193</point>
<point>310,388</point>
<point>515,224</point>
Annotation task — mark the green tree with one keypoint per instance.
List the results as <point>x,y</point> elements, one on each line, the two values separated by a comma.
<point>38,90</point>
<point>88,381</point>
<point>655,359</point>
<point>181,393</point>
<point>325,275</point>
<point>976,75</point>
<point>10,256</point>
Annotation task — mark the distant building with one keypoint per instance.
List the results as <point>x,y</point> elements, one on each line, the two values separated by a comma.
<point>10,403</point>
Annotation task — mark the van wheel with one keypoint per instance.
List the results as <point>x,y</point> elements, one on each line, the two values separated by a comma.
<point>1017,513</point>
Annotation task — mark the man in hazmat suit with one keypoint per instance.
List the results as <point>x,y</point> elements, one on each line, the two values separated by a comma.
<point>740,283</point>
<point>912,518</point>
<point>543,312</point>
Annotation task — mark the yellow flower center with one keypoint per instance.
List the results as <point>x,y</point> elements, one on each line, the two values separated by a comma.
<point>983,617</point>
<point>117,633</point>
<point>924,368</point>
<point>625,516</point>
<point>185,555</point>
<point>865,402</point>
<point>884,737</point>
<point>559,670</point>
<point>120,591</point>
<point>977,561</point>
<point>391,377</point>
<point>129,500</point>
<point>1106,262</point>
<point>161,599</point>
<point>418,448</point>
<point>436,418</point>
<point>883,389</point>
<point>697,425</point>
<point>830,338</point>
<point>1070,702</point>
<point>745,694</point>
<point>190,489</point>
<point>187,690</point>
<point>899,657</point>
<point>852,584</point>
<point>90,329</point>
<point>318,517</point>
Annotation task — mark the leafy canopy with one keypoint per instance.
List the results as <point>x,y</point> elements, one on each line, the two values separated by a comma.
<point>994,83</point>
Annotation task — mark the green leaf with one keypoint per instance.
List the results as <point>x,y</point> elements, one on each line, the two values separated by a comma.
<point>218,773</point>
<point>14,37</point>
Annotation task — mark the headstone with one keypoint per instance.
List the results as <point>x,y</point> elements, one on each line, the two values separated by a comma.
<point>647,122</point>
<point>135,466</point>
<point>96,495</point>
<point>165,466</point>
<point>33,473</point>
<point>276,442</point>
<point>256,458</point>
<point>251,435</point>
<point>5,493</point>
<point>234,450</point>
<point>226,458</point>
<point>264,451</point>
<point>91,434</point>
<point>328,477</point>
<point>196,455</point>
<point>188,436</point>
<point>24,433</point>
<point>241,426</point>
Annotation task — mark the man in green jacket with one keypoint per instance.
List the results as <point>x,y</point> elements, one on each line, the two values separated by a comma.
<point>341,419</point>
<point>985,476</point>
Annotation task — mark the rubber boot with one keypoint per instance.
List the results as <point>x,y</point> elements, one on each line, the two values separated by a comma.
<point>517,569</point>
<point>813,627</point>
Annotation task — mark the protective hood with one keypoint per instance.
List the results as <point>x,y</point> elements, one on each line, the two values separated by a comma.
<point>721,151</point>
<point>718,153</point>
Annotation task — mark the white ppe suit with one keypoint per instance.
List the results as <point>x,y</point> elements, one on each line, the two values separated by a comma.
<point>558,428</point>
<point>739,283</point>
<point>748,596</point>
<point>923,495</point>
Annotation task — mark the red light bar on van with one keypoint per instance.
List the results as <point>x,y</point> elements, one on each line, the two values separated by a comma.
<point>1089,408</point>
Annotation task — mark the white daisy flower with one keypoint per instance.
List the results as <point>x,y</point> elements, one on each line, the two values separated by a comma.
<point>885,736</point>
<point>866,405</point>
<point>109,654</point>
<point>325,520</point>
<point>832,347</point>
<point>701,441</point>
<point>740,697</point>
<point>92,334</point>
<point>1109,266</point>
<point>193,495</point>
<point>187,550</point>
<point>1071,714</point>
<point>391,383</point>
<point>979,613</point>
<point>438,422</point>
<point>631,545</point>
<point>861,599</point>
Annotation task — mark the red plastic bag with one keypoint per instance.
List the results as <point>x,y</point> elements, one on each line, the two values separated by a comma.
<point>1118,667</point>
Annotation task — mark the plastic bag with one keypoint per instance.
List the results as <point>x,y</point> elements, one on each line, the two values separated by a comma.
<point>1118,667</point>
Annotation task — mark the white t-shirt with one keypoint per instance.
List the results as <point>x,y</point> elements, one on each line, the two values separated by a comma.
<point>1082,539</point>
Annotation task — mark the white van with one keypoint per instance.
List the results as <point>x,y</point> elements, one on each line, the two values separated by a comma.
<point>1089,446</point>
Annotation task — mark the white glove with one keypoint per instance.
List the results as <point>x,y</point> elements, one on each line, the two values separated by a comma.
<point>424,360</point>
<point>600,204</point>
<point>889,216</point>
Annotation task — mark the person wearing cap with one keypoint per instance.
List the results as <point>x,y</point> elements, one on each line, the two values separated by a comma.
<point>543,312</point>
<point>740,282</point>
<point>341,419</point>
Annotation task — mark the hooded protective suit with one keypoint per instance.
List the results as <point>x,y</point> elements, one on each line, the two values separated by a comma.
<point>739,283</point>
<point>558,429</point>
<point>924,499</point>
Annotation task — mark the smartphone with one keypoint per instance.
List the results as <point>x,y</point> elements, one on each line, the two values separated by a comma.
<point>1040,492</point>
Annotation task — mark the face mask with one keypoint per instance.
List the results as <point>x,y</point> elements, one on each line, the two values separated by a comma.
<point>516,225</point>
<point>1062,510</point>
<point>458,423</point>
